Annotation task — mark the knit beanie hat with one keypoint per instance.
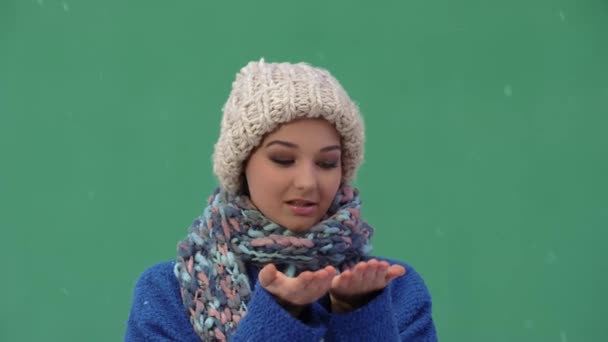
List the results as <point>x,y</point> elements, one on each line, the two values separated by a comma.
<point>266,95</point>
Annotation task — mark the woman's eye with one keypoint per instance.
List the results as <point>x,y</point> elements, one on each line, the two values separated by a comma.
<point>282,162</point>
<point>328,165</point>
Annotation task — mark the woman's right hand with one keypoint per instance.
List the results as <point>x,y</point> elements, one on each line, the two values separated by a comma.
<point>295,293</point>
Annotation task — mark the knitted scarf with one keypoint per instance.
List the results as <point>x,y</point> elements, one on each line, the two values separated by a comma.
<point>232,233</point>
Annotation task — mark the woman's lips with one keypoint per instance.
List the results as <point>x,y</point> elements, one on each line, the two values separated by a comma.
<point>302,208</point>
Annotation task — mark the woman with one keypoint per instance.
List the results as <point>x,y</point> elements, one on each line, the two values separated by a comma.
<point>281,252</point>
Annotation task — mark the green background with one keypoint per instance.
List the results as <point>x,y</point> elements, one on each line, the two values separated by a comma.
<point>486,163</point>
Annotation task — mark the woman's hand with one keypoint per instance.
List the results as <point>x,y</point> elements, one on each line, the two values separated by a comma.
<point>295,293</point>
<point>355,287</point>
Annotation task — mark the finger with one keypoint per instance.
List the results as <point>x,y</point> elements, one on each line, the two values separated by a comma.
<point>372,265</point>
<point>321,284</point>
<point>381,272</point>
<point>394,271</point>
<point>307,287</point>
<point>398,270</point>
<point>326,275</point>
<point>304,279</point>
<point>342,281</point>
<point>368,279</point>
<point>282,285</point>
<point>267,275</point>
<point>335,282</point>
<point>359,271</point>
<point>324,279</point>
<point>290,290</point>
<point>329,271</point>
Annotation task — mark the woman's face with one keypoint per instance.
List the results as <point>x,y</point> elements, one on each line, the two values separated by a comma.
<point>295,172</point>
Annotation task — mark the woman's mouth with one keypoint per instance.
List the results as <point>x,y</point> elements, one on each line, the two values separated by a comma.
<point>302,207</point>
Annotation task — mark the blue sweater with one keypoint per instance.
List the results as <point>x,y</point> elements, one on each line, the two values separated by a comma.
<point>400,312</point>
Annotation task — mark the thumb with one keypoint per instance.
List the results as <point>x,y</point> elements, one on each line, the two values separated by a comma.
<point>268,275</point>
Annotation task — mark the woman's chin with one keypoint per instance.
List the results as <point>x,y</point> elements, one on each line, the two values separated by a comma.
<point>299,224</point>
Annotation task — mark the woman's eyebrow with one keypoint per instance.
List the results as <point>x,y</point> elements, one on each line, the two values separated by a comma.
<point>292,145</point>
<point>331,148</point>
<point>283,143</point>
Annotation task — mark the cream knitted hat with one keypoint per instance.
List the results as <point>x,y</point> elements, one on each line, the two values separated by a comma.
<point>265,95</point>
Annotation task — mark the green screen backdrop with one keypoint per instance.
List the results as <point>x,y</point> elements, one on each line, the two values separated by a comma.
<point>486,165</point>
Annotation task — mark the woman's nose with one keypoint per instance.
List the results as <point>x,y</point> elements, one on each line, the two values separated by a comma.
<point>305,177</point>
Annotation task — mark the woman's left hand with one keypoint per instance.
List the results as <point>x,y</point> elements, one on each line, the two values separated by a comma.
<point>355,287</point>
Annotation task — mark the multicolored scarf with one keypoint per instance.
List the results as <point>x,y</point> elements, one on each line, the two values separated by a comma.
<point>231,233</point>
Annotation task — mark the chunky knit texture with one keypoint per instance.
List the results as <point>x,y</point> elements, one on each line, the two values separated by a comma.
<point>401,312</point>
<point>265,95</point>
<point>231,232</point>
<point>212,293</point>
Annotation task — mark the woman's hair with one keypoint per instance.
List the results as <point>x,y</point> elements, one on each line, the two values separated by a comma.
<point>266,95</point>
<point>244,186</point>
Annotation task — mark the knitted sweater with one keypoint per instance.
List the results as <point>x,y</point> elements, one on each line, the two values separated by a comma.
<point>400,312</point>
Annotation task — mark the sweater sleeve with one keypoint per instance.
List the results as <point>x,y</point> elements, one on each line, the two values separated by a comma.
<point>157,314</point>
<point>400,312</point>
<point>266,320</point>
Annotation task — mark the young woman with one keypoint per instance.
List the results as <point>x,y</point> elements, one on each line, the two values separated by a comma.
<point>281,252</point>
